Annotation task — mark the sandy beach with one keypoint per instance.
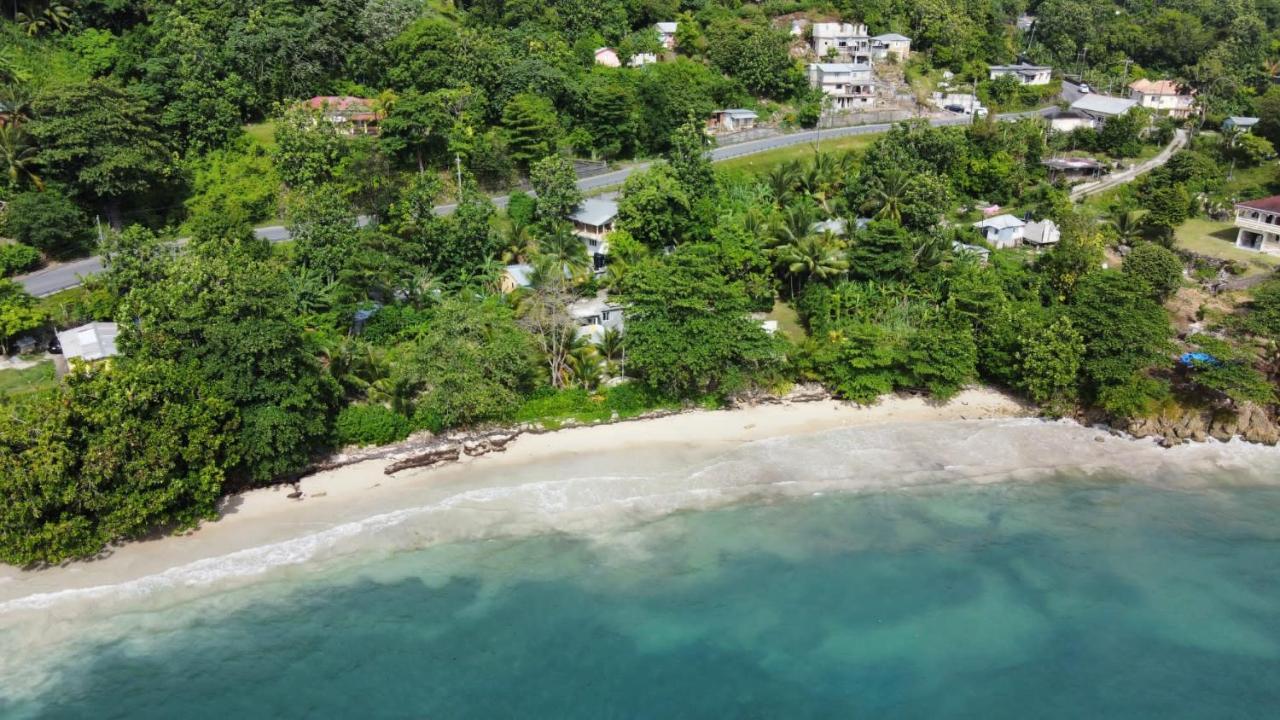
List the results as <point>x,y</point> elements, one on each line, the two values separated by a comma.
<point>331,499</point>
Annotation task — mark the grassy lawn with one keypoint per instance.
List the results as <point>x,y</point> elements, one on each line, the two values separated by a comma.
<point>263,133</point>
<point>28,380</point>
<point>762,162</point>
<point>1216,239</point>
<point>788,321</point>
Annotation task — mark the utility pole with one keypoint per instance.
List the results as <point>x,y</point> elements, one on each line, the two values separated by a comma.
<point>457,161</point>
<point>97,224</point>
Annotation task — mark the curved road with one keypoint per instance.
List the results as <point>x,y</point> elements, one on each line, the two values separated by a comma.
<point>68,275</point>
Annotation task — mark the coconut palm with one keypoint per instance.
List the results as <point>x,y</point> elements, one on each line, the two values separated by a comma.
<point>1128,225</point>
<point>612,347</point>
<point>518,243</point>
<point>584,365</point>
<point>565,250</point>
<point>40,16</point>
<point>888,192</point>
<point>18,157</point>
<point>815,256</point>
<point>796,222</point>
<point>782,180</point>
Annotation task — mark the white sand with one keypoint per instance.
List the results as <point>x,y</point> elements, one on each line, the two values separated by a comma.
<point>261,517</point>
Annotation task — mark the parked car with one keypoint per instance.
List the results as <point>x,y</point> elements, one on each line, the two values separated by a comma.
<point>955,108</point>
<point>1084,88</point>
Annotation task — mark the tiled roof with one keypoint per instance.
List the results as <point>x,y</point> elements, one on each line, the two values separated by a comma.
<point>1156,87</point>
<point>1270,204</point>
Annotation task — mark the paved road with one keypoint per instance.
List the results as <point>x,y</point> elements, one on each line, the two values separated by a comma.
<point>1116,179</point>
<point>68,275</point>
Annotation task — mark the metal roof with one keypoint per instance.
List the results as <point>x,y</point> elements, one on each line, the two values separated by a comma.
<point>1038,232</point>
<point>841,67</point>
<point>90,342</point>
<point>1000,222</point>
<point>1241,121</point>
<point>739,113</point>
<point>1021,67</point>
<point>666,27</point>
<point>1103,105</point>
<point>594,211</point>
<point>892,37</point>
<point>520,274</point>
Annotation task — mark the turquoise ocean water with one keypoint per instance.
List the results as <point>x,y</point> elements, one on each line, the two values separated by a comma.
<point>1082,595</point>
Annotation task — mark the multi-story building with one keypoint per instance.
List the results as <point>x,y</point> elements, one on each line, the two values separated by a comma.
<point>842,41</point>
<point>1163,96</point>
<point>1258,224</point>
<point>849,85</point>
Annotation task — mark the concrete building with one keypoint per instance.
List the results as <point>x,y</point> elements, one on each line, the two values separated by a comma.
<point>1239,122</point>
<point>667,34</point>
<point>608,57</point>
<point>1101,108</point>
<point>731,120</point>
<point>842,41</point>
<point>595,315</point>
<point>1258,225</point>
<point>1163,96</point>
<point>593,221</point>
<point>1025,74</point>
<point>891,44</point>
<point>849,85</point>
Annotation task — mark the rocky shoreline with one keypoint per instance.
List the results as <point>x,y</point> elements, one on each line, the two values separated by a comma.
<point>1249,423</point>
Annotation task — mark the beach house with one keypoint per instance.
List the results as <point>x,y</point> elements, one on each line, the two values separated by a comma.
<point>1023,73</point>
<point>842,41</point>
<point>596,315</point>
<point>849,85</point>
<point>1258,224</point>
<point>593,221</point>
<point>1002,231</point>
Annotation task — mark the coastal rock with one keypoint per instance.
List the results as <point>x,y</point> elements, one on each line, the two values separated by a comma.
<point>1256,427</point>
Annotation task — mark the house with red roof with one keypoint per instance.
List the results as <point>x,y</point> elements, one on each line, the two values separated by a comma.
<point>351,115</point>
<point>1163,96</point>
<point>1258,225</point>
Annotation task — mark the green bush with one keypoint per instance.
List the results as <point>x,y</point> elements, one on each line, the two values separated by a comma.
<point>17,258</point>
<point>370,425</point>
<point>49,221</point>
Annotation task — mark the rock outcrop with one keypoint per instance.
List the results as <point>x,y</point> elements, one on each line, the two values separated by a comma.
<point>1249,422</point>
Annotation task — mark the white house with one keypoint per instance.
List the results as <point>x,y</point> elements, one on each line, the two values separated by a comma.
<point>608,57</point>
<point>1163,96</point>
<point>846,41</point>
<point>593,221</point>
<point>849,85</point>
<point>641,59</point>
<point>667,34</point>
<point>1237,122</point>
<point>731,120</point>
<point>1025,74</point>
<point>1258,223</point>
<point>1002,231</point>
<point>899,46</point>
<point>1040,233</point>
<point>595,315</point>
<point>1101,108</point>
<point>967,103</point>
<point>94,341</point>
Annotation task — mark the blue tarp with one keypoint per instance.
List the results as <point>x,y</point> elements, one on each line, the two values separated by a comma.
<point>1192,359</point>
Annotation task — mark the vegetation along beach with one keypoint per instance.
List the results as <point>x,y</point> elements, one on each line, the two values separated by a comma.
<point>675,358</point>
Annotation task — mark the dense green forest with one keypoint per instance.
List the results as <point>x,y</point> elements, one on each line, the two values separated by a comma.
<point>243,361</point>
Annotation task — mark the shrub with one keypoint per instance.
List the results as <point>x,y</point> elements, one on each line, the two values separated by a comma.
<point>49,221</point>
<point>1157,266</point>
<point>370,425</point>
<point>17,258</point>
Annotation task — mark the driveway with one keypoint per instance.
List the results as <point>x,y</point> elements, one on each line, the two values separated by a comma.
<point>1084,190</point>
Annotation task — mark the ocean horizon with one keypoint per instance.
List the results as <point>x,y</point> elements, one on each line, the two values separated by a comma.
<point>995,569</point>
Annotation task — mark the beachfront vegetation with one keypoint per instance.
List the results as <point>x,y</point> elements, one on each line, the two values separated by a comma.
<point>243,362</point>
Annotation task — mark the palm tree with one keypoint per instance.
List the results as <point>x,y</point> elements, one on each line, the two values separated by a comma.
<point>612,347</point>
<point>888,193</point>
<point>819,256</point>
<point>782,180</point>
<point>584,364</point>
<point>518,244</point>
<point>18,157</point>
<point>565,250</point>
<point>311,292</point>
<point>1128,225</point>
<point>797,222</point>
<point>37,19</point>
